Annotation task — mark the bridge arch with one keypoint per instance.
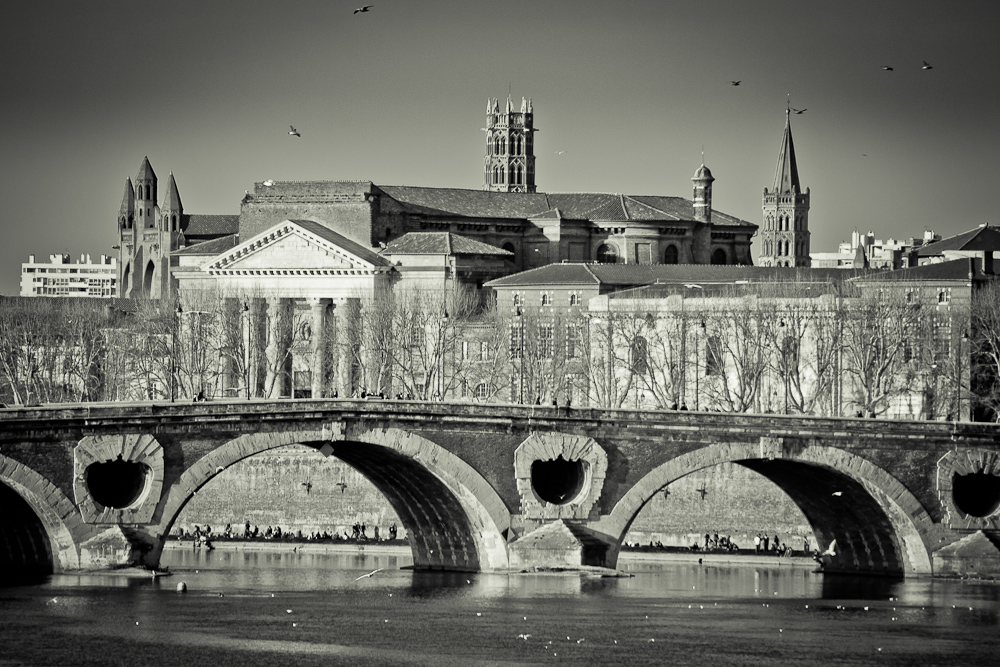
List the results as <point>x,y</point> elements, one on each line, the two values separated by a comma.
<point>54,531</point>
<point>880,527</point>
<point>454,519</point>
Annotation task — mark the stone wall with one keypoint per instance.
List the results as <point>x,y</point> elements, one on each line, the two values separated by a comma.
<point>298,489</point>
<point>293,487</point>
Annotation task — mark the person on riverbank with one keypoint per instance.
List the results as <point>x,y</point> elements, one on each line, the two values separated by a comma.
<point>756,543</point>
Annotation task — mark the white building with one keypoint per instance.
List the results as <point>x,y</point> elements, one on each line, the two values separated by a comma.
<point>61,277</point>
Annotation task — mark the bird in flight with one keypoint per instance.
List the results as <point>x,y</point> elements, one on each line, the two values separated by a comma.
<point>736,83</point>
<point>886,68</point>
<point>294,132</point>
<point>927,65</point>
<point>365,576</point>
<point>830,550</point>
<point>799,110</point>
<point>363,9</point>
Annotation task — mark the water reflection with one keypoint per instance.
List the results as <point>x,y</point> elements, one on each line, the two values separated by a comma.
<point>249,608</point>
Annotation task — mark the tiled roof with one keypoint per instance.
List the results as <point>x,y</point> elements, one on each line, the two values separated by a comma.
<point>957,269</point>
<point>776,288</point>
<point>210,225</point>
<point>358,250</point>
<point>621,275</point>
<point>440,243</point>
<point>980,238</point>
<point>551,274</point>
<point>575,206</point>
<point>211,247</point>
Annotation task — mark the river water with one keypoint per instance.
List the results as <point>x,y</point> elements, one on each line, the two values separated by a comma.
<point>250,608</point>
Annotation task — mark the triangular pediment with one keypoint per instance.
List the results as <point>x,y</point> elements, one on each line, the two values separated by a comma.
<point>297,247</point>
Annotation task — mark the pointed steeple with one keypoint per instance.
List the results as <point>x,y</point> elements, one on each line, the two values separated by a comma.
<point>171,212</point>
<point>128,200</point>
<point>145,171</point>
<point>172,200</point>
<point>786,175</point>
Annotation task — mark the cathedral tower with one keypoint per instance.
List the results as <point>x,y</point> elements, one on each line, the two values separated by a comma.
<point>510,148</point>
<point>784,237</point>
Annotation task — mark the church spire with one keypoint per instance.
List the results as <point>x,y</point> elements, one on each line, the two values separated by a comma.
<point>786,175</point>
<point>784,238</point>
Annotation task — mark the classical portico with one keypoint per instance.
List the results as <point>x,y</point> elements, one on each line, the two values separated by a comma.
<point>298,287</point>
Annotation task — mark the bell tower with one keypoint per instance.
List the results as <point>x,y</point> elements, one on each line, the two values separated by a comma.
<point>784,237</point>
<point>510,147</point>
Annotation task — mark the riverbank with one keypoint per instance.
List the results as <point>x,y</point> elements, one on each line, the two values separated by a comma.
<point>401,548</point>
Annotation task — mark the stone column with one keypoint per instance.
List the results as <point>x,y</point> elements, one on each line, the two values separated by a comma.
<point>254,338</point>
<point>319,348</point>
<point>277,381</point>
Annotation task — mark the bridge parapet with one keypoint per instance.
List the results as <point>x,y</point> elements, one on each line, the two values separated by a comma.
<point>494,474</point>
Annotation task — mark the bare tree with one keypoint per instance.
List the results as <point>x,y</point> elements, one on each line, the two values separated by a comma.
<point>736,356</point>
<point>878,338</point>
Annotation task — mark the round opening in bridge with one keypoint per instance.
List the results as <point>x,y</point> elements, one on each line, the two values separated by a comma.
<point>977,494</point>
<point>558,481</point>
<point>116,484</point>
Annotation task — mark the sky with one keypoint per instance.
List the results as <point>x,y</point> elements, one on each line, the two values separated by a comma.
<point>628,98</point>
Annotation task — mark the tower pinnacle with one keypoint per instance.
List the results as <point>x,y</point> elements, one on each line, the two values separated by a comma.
<point>509,165</point>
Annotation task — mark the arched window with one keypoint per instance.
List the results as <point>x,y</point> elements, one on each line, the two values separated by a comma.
<point>173,223</point>
<point>482,391</point>
<point>670,254</point>
<point>639,355</point>
<point>503,145</point>
<point>517,298</point>
<point>509,247</point>
<point>574,299</point>
<point>719,257</point>
<point>546,299</point>
<point>518,175</point>
<point>607,254</point>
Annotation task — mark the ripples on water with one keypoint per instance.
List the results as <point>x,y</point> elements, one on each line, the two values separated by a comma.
<point>252,608</point>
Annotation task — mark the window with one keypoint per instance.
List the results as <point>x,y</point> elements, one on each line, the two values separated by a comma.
<point>546,299</point>
<point>719,257</point>
<point>517,298</point>
<point>607,254</point>
<point>545,340</point>
<point>465,350</point>
<point>670,255</point>
<point>574,337</point>
<point>484,351</point>
<point>713,356</point>
<point>483,391</point>
<point>516,342</point>
<point>574,299</point>
<point>639,356</point>
<point>790,354</point>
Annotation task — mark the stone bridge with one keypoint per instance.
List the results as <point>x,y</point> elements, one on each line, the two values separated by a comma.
<point>499,487</point>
